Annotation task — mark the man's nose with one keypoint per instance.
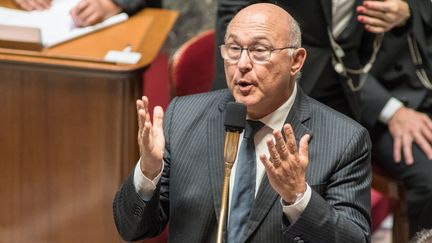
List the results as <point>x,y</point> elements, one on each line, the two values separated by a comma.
<point>244,63</point>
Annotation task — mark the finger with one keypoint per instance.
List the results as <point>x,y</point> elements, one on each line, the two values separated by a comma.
<point>423,144</point>
<point>44,4</point>
<point>290,139</point>
<point>407,149</point>
<point>92,19</point>
<point>303,149</point>
<point>280,145</point>
<point>374,29</point>
<point>382,6</point>
<point>374,22</point>
<point>142,110</point>
<point>35,5</point>
<point>268,165</point>
<point>24,5</point>
<point>427,133</point>
<point>397,146</point>
<point>141,115</point>
<point>84,16</point>
<point>274,155</point>
<point>428,121</point>
<point>158,115</point>
<point>372,13</point>
<point>77,11</point>
<point>146,131</point>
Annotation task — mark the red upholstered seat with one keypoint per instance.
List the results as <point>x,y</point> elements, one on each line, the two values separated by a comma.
<point>193,65</point>
<point>392,190</point>
<point>381,208</point>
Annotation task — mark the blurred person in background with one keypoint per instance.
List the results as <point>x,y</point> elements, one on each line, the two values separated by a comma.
<point>397,108</point>
<point>90,12</point>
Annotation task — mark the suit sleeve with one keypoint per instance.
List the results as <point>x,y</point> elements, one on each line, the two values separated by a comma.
<point>373,97</point>
<point>132,6</point>
<point>135,218</point>
<point>342,214</point>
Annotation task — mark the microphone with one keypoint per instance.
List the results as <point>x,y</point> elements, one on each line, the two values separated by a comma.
<point>235,120</point>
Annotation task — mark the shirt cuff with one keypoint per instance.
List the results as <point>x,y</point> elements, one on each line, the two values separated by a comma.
<point>143,185</point>
<point>293,211</point>
<point>389,110</point>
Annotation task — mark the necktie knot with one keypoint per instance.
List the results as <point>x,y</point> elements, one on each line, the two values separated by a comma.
<point>251,128</point>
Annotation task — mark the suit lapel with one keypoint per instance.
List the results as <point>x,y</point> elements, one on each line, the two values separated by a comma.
<point>266,196</point>
<point>216,163</point>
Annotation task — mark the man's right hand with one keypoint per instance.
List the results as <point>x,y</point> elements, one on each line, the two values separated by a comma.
<point>33,4</point>
<point>151,139</point>
<point>407,126</point>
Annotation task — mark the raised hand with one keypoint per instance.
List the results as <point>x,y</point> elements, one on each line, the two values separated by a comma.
<point>151,139</point>
<point>287,166</point>
<point>408,126</point>
<point>381,16</point>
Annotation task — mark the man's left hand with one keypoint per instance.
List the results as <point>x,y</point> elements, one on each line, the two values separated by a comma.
<point>408,126</point>
<point>287,169</point>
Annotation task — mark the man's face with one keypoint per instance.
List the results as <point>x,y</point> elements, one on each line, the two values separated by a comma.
<point>262,87</point>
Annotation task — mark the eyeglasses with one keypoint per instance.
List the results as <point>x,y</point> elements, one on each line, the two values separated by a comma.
<point>257,53</point>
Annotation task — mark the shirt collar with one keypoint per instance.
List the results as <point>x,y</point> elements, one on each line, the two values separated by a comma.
<point>276,119</point>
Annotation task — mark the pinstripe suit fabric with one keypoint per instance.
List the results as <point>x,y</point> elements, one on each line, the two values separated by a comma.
<point>188,194</point>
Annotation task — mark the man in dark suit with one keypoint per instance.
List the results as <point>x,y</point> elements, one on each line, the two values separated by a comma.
<point>318,192</point>
<point>397,110</point>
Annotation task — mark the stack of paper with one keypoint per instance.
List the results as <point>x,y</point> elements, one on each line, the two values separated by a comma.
<point>56,24</point>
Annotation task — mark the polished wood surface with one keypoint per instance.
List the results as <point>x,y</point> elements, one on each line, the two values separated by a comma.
<point>68,138</point>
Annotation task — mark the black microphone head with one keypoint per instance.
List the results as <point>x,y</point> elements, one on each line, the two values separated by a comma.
<point>235,117</point>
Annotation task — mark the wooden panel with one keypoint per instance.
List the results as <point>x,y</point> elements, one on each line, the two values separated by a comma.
<point>67,138</point>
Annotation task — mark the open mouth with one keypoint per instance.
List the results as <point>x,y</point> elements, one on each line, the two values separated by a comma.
<point>243,83</point>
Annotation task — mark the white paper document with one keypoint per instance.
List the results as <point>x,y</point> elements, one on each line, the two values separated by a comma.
<point>55,23</point>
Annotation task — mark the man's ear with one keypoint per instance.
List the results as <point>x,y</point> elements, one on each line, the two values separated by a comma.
<point>299,57</point>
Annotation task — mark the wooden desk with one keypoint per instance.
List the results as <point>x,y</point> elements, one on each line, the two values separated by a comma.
<point>68,133</point>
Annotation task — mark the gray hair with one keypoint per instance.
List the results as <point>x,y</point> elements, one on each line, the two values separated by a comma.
<point>294,34</point>
<point>424,236</point>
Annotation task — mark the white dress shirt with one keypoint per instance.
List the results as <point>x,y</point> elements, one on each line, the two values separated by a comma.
<point>342,11</point>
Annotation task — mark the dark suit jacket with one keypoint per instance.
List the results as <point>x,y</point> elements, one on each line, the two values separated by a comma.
<point>189,193</point>
<point>394,73</point>
<point>318,77</point>
<point>132,6</point>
